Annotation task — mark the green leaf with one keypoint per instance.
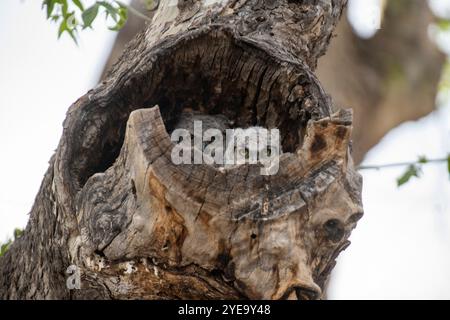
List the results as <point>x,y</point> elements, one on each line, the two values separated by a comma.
<point>72,35</point>
<point>113,12</point>
<point>64,8</point>
<point>149,4</point>
<point>123,16</point>
<point>50,5</point>
<point>444,24</point>
<point>89,15</point>
<point>423,160</point>
<point>4,247</point>
<point>448,164</point>
<point>78,4</point>
<point>62,28</point>
<point>412,171</point>
<point>17,233</point>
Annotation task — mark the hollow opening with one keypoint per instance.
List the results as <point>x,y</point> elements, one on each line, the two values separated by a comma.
<point>248,86</point>
<point>211,73</point>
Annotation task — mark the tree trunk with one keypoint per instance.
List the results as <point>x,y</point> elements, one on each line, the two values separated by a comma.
<point>119,212</point>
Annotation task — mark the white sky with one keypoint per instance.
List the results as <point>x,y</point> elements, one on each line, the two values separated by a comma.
<point>400,249</point>
<point>40,77</point>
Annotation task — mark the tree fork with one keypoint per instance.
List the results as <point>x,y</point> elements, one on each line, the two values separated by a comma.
<point>113,204</point>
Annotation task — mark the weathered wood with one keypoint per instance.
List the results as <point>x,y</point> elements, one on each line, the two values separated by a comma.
<point>138,226</point>
<point>197,215</point>
<point>372,76</point>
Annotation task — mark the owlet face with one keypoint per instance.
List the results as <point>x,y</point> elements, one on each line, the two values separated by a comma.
<point>240,146</point>
<point>187,119</point>
<point>254,143</point>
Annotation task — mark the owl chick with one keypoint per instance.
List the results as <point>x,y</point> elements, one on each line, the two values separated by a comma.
<point>251,145</point>
<point>187,119</point>
<point>212,141</point>
<point>219,123</point>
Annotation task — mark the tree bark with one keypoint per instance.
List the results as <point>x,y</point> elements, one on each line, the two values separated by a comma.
<point>135,225</point>
<point>387,80</point>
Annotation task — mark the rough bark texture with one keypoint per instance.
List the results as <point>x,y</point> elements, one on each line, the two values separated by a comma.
<point>138,226</point>
<point>386,80</point>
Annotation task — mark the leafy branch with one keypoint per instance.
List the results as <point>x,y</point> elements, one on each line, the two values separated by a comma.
<point>5,246</point>
<point>414,169</point>
<point>73,16</point>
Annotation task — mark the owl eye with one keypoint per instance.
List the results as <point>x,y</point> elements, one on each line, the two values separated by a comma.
<point>245,153</point>
<point>269,151</point>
